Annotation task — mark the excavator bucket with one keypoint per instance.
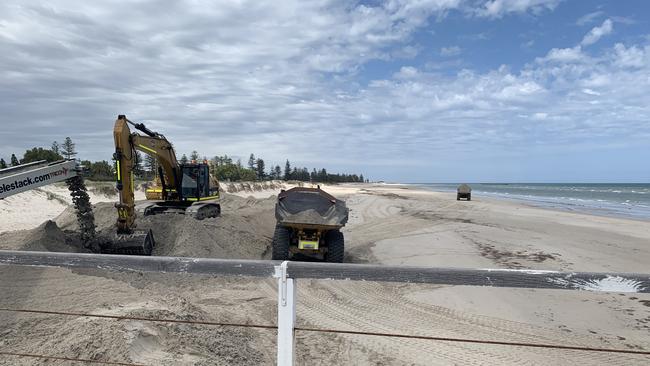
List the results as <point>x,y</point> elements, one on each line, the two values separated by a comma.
<point>137,243</point>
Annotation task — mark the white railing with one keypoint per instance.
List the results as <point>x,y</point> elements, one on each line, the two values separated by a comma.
<point>287,274</point>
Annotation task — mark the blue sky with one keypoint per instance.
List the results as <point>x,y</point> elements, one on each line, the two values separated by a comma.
<point>412,91</point>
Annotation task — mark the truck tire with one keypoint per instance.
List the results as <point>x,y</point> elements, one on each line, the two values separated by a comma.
<point>281,242</point>
<point>335,246</point>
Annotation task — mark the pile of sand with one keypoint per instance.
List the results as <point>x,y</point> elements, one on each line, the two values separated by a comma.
<point>46,237</point>
<point>244,230</point>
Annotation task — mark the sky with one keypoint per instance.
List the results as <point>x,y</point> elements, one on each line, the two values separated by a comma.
<point>399,90</point>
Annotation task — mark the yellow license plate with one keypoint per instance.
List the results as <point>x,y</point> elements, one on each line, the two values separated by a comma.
<point>307,244</point>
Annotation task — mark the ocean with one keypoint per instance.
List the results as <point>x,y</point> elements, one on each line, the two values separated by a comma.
<point>619,199</point>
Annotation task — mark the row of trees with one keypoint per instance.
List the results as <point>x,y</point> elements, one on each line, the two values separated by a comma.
<point>222,167</point>
<point>225,168</point>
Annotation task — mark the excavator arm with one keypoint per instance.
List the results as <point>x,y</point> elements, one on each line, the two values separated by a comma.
<point>163,152</point>
<point>124,164</point>
<point>153,144</point>
<point>128,241</point>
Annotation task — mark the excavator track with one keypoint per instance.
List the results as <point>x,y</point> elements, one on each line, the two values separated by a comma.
<point>204,210</point>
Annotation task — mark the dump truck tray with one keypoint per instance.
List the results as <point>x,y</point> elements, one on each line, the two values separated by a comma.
<point>310,208</point>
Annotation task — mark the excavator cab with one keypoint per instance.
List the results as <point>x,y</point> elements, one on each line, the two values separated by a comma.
<point>198,194</point>
<point>198,191</point>
<point>190,182</point>
<point>195,185</point>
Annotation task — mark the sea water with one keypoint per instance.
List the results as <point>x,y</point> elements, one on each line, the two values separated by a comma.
<point>617,199</point>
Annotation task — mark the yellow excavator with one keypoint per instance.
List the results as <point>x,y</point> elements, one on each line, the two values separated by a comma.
<point>183,188</point>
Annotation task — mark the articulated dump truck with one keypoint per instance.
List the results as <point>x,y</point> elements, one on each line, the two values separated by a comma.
<point>308,225</point>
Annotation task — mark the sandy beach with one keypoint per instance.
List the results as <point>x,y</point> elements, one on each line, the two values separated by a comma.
<point>389,224</point>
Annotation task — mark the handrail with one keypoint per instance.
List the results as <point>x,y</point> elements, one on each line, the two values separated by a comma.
<point>519,278</point>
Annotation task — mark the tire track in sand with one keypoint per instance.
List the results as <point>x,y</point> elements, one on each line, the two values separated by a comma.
<point>384,308</point>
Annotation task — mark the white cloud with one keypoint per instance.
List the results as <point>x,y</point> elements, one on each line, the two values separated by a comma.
<point>499,8</point>
<point>274,78</point>
<point>406,72</point>
<point>589,18</point>
<point>227,68</point>
<point>406,52</point>
<point>528,44</point>
<point>450,51</point>
<point>576,54</point>
<point>540,116</point>
<point>624,20</point>
<point>632,56</point>
<point>590,92</point>
<point>564,55</point>
<point>598,32</point>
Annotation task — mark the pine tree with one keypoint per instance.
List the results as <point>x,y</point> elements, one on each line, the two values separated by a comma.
<point>322,176</point>
<point>259,165</point>
<point>251,162</point>
<point>183,159</point>
<point>14,160</point>
<point>151,164</point>
<point>38,153</point>
<point>137,167</point>
<point>68,148</point>
<point>56,147</point>
<point>278,172</point>
<point>287,171</point>
<point>194,156</point>
<point>3,164</point>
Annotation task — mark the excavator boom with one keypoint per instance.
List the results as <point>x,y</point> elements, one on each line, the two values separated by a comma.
<point>127,240</point>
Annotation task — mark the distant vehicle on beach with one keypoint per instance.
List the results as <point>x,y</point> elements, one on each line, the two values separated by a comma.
<point>464,191</point>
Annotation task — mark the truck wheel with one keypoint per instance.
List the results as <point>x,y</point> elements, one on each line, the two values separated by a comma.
<point>281,241</point>
<point>335,246</point>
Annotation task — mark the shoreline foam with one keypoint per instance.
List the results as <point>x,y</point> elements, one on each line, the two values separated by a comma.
<point>598,206</point>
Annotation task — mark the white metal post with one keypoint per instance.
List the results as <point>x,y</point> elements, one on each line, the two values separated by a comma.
<point>286,315</point>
